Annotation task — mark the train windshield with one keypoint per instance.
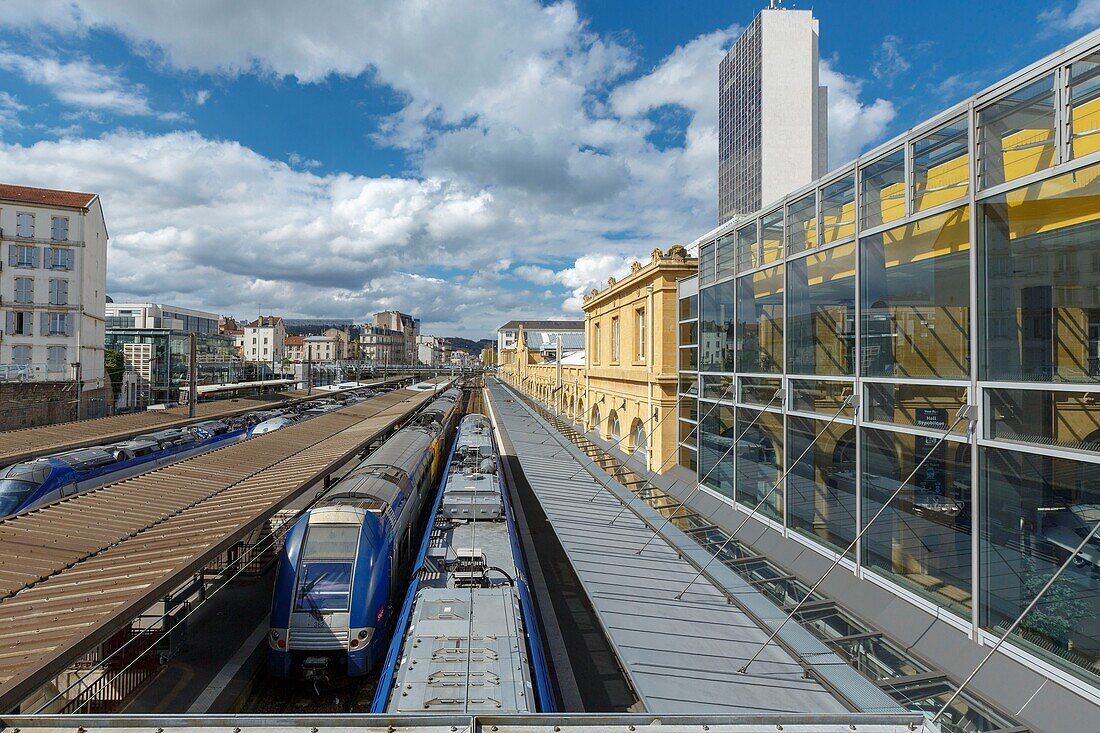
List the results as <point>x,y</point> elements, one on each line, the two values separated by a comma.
<point>323,586</point>
<point>13,493</point>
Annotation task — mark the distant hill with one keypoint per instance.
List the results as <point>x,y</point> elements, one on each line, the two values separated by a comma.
<point>470,346</point>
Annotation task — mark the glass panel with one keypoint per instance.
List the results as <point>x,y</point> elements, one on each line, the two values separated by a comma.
<point>1064,419</point>
<point>1039,283</point>
<point>916,298</point>
<point>689,359</point>
<point>916,405</point>
<point>760,321</point>
<point>771,235</point>
<point>760,460</point>
<point>941,166</point>
<point>838,210</point>
<point>689,333</point>
<point>802,224</point>
<point>1016,134</point>
<point>687,459</point>
<point>323,586</point>
<point>923,537</point>
<point>748,254</point>
<point>760,391</point>
<point>1084,96</point>
<point>809,395</point>
<point>718,387</point>
<point>716,332</point>
<point>687,433</point>
<point>821,487</point>
<point>715,438</point>
<point>882,190</point>
<point>1035,511</point>
<point>726,257</point>
<point>689,409</point>
<point>821,312</point>
<point>689,384</point>
<point>689,307</point>
<point>706,264</point>
<point>331,541</point>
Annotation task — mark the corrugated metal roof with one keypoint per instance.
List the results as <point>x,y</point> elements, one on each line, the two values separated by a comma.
<point>681,656</point>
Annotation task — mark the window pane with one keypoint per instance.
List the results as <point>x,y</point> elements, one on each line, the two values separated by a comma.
<point>689,409</point>
<point>718,387</point>
<point>802,224</point>
<point>928,406</point>
<point>726,256</point>
<point>821,497</point>
<point>916,298</point>
<point>689,384</point>
<point>808,395</point>
<point>941,166</point>
<point>1084,94</point>
<point>1016,133</point>
<point>838,210</point>
<point>771,235</point>
<point>706,264</point>
<point>883,190</point>
<point>1035,511</point>
<point>1039,283</point>
<point>689,359</point>
<point>1042,417</point>
<point>748,254</point>
<point>715,438</point>
<point>923,537</point>
<point>760,321</point>
<point>323,586</point>
<point>689,333</point>
<point>821,325</point>
<point>760,460</point>
<point>716,331</point>
<point>760,391</point>
<point>689,307</point>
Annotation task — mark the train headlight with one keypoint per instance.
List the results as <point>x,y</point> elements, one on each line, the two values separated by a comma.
<point>278,638</point>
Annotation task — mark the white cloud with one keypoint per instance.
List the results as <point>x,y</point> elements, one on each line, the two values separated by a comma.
<point>1085,15</point>
<point>10,107</point>
<point>82,84</point>
<point>202,96</point>
<point>889,63</point>
<point>853,124</point>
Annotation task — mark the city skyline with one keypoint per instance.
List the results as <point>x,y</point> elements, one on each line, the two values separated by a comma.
<point>343,171</point>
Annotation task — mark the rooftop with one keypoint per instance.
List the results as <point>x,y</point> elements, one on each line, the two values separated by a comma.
<point>45,196</point>
<point>544,325</point>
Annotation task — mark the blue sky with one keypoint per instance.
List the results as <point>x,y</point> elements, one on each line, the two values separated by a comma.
<point>467,161</point>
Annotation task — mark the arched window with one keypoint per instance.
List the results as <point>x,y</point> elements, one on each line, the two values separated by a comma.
<point>641,443</point>
<point>613,429</point>
<point>596,417</point>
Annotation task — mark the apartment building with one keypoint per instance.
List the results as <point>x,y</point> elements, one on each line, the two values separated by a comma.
<point>52,286</point>
<point>408,328</point>
<point>263,341</point>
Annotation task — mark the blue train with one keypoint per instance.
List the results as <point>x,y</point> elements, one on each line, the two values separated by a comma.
<point>346,560</point>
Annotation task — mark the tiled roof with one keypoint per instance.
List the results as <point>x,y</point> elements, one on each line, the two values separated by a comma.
<point>45,196</point>
<point>295,340</point>
<point>545,325</point>
<point>265,321</point>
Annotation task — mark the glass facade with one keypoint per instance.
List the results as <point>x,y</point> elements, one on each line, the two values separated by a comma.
<point>687,393</point>
<point>955,268</point>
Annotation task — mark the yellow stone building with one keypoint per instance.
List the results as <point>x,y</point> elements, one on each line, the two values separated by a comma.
<point>624,388</point>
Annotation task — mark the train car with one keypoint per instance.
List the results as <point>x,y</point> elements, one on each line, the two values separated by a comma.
<point>468,637</point>
<point>345,561</point>
<point>44,480</point>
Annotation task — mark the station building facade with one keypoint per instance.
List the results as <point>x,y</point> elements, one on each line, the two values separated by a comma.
<point>843,330</point>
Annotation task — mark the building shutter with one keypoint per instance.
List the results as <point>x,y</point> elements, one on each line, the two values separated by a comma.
<point>63,292</point>
<point>69,255</point>
<point>44,324</point>
<point>11,323</point>
<point>13,255</point>
<point>68,324</point>
<point>54,288</point>
<point>35,252</point>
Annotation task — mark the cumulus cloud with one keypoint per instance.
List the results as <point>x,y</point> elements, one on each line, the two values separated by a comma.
<point>82,84</point>
<point>1085,15</point>
<point>889,63</point>
<point>10,107</point>
<point>201,97</point>
<point>853,124</point>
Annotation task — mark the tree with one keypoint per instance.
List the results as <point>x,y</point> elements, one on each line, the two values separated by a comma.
<point>115,366</point>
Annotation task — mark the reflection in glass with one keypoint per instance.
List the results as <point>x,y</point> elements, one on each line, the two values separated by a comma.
<point>1035,511</point>
<point>689,307</point>
<point>689,359</point>
<point>1016,133</point>
<point>689,333</point>
<point>1039,283</point>
<point>748,254</point>
<point>760,460</point>
<point>923,537</point>
<point>689,410</point>
<point>706,264</point>
<point>718,387</point>
<point>760,321</point>
<point>821,316</point>
<point>716,333</point>
<point>883,190</point>
<point>771,236</point>
<point>1084,95</point>
<point>760,391</point>
<point>715,438</point>
<point>916,298</point>
<point>726,256</point>
<point>821,497</point>
<point>825,397</point>
<point>802,224</point>
<point>689,384</point>
<point>1046,417</point>
<point>687,459</point>
<point>941,165</point>
<point>930,406</point>
<point>838,210</point>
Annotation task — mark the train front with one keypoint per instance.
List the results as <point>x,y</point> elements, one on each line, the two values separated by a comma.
<point>331,593</point>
